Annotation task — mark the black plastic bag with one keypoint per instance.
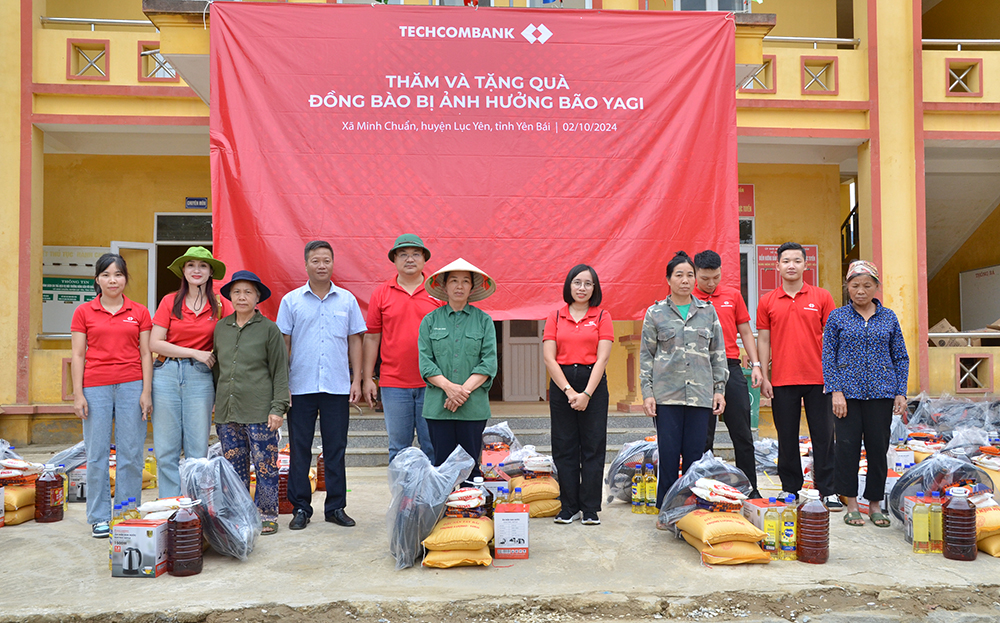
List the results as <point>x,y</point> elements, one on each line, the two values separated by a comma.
<point>229,517</point>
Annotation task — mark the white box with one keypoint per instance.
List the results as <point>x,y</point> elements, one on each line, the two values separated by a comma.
<point>510,531</point>
<point>139,548</point>
<point>77,480</point>
<point>890,481</point>
<point>904,457</point>
<point>754,510</point>
<point>908,503</point>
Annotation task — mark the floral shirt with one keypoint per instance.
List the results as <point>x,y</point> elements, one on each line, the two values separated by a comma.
<point>864,359</point>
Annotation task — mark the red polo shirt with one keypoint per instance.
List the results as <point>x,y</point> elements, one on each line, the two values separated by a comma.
<point>732,312</point>
<point>576,342</point>
<point>796,326</point>
<point>191,330</point>
<point>112,341</point>
<point>396,314</point>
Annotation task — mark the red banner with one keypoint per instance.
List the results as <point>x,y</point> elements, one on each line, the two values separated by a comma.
<point>525,141</point>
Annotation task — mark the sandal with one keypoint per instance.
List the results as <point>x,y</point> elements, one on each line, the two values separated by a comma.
<point>854,518</point>
<point>879,519</point>
<point>268,527</point>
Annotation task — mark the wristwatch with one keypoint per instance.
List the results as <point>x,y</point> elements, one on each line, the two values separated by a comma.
<point>754,364</point>
<point>567,388</point>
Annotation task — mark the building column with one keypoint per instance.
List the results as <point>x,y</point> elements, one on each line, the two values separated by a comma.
<point>894,33</point>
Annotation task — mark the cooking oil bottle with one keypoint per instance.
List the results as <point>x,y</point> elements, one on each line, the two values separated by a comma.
<point>936,523</point>
<point>649,481</point>
<point>921,526</point>
<point>787,538</point>
<point>638,491</point>
<point>772,521</point>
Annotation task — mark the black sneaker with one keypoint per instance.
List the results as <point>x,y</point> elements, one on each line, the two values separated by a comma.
<point>591,519</point>
<point>299,520</point>
<point>564,516</point>
<point>101,530</point>
<point>833,503</point>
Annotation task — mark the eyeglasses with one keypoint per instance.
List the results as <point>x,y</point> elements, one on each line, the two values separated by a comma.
<point>583,284</point>
<point>408,256</point>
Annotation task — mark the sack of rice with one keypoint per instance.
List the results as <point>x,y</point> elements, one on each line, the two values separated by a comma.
<point>445,559</point>
<point>712,528</point>
<point>468,533</point>
<point>728,552</point>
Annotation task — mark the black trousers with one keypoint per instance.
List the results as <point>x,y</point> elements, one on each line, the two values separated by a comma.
<point>680,431</point>
<point>579,441</point>
<point>446,435</point>
<point>737,419</point>
<point>786,408</point>
<point>334,416</point>
<point>868,421</point>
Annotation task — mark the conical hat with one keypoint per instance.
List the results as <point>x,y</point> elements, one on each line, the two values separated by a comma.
<point>482,285</point>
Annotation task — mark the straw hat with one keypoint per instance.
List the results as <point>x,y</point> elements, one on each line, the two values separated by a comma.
<point>200,254</point>
<point>482,285</point>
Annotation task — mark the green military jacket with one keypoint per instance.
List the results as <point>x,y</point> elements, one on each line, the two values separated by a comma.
<point>253,371</point>
<point>457,344</point>
<point>682,361</point>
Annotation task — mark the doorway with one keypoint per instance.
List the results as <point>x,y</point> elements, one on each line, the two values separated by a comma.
<point>521,361</point>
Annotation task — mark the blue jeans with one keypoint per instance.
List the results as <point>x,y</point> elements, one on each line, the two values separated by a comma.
<point>403,408</point>
<point>119,405</point>
<point>183,396</point>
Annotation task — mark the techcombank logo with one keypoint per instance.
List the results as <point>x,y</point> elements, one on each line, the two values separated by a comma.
<point>532,33</point>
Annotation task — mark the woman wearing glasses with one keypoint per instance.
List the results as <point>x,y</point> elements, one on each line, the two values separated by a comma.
<point>576,347</point>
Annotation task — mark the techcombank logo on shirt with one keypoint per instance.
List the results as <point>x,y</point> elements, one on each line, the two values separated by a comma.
<point>531,33</point>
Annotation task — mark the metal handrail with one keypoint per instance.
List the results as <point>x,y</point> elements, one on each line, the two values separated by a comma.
<point>94,22</point>
<point>815,41</point>
<point>964,335</point>
<point>43,337</point>
<point>976,43</point>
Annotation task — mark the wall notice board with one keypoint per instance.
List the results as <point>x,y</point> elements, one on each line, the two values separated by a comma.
<point>979,292</point>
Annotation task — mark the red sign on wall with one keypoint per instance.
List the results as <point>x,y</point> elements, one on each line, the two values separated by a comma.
<point>767,268</point>
<point>524,141</point>
<point>746,200</point>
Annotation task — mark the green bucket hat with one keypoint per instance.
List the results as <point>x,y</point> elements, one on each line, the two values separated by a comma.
<point>201,254</point>
<point>408,240</point>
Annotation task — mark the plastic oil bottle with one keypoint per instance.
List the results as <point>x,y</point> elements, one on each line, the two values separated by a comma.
<point>284,506</point>
<point>150,465</point>
<point>921,526</point>
<point>772,521</point>
<point>49,496</point>
<point>638,492</point>
<point>959,532</point>
<point>517,499</point>
<point>649,482</point>
<point>184,544</point>
<point>813,529</point>
<point>787,537</point>
<point>936,525</point>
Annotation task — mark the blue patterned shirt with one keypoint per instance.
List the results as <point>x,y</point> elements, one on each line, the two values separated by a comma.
<point>864,359</point>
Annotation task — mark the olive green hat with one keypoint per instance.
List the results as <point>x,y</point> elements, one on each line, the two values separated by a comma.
<point>408,240</point>
<point>203,255</point>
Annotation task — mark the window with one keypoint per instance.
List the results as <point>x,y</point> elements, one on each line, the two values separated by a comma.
<point>184,228</point>
<point>736,6</point>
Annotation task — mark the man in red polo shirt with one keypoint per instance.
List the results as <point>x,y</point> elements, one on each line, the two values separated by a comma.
<point>735,319</point>
<point>394,314</point>
<point>790,323</point>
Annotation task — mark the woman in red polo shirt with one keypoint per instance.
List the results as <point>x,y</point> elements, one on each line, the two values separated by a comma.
<point>576,347</point>
<point>112,370</point>
<point>183,386</point>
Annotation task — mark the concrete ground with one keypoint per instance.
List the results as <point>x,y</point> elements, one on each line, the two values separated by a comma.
<point>624,569</point>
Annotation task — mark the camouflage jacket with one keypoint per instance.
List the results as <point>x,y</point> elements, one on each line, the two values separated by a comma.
<point>682,362</point>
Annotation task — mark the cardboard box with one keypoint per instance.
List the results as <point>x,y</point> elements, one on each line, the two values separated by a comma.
<point>903,457</point>
<point>754,510</point>
<point>2,511</point>
<point>139,548</point>
<point>510,531</point>
<point>908,503</point>
<point>890,481</point>
<point>77,480</point>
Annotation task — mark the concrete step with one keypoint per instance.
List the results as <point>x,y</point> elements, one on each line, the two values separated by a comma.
<point>376,421</point>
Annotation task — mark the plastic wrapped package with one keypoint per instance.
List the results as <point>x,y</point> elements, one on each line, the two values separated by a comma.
<point>215,450</point>
<point>70,458</point>
<point>679,500</point>
<point>938,472</point>
<point>6,452</point>
<point>947,413</point>
<point>500,433</point>
<point>514,464</point>
<point>765,452</point>
<point>993,415</point>
<point>229,518</point>
<point>969,439</point>
<point>622,468</point>
<point>897,430</point>
<point>419,492</point>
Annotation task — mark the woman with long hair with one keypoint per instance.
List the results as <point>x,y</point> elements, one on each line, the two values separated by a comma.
<point>183,387</point>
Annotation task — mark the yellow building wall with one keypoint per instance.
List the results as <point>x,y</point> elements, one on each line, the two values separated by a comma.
<point>10,155</point>
<point>800,203</point>
<point>963,19</point>
<point>941,361</point>
<point>979,251</point>
<point>103,9</point>
<point>801,18</point>
<point>935,80</point>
